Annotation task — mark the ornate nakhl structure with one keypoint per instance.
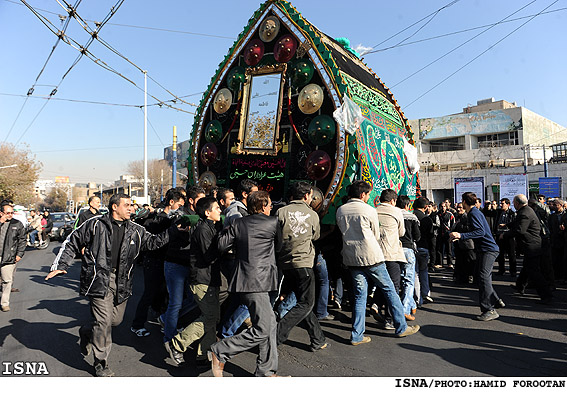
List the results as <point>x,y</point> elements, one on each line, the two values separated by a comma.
<point>279,109</point>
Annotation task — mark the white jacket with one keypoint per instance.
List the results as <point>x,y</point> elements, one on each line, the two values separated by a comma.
<point>391,229</point>
<point>359,225</point>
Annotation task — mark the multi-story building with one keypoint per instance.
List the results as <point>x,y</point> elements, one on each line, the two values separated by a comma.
<point>485,140</point>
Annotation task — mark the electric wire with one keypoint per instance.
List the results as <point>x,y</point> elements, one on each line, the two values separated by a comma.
<point>459,46</point>
<point>479,55</point>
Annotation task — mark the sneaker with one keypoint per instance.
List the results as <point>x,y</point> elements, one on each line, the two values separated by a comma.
<point>516,288</point>
<point>428,299</point>
<point>409,317</point>
<point>85,343</point>
<point>500,304</point>
<point>409,331</point>
<point>365,339</point>
<point>389,325</point>
<point>5,308</point>
<point>337,304</point>
<point>143,332</point>
<point>174,354</point>
<point>328,317</point>
<point>487,316</point>
<point>161,324</point>
<point>103,371</point>
<point>315,348</point>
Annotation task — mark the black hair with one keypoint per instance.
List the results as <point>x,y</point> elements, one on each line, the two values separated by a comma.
<point>4,204</point>
<point>115,200</point>
<point>173,194</point>
<point>420,203</point>
<point>403,201</point>
<point>92,198</point>
<point>194,191</point>
<point>357,188</point>
<point>298,190</point>
<point>469,198</point>
<point>245,186</point>
<point>221,193</point>
<point>505,200</point>
<point>257,201</point>
<point>204,205</point>
<point>388,195</point>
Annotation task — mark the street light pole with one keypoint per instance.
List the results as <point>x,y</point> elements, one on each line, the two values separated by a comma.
<point>174,158</point>
<point>146,136</point>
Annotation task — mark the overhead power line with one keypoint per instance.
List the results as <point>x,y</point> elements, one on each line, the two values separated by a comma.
<point>480,54</point>
<point>459,46</point>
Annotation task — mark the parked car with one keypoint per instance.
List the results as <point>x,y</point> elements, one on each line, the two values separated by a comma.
<point>62,225</point>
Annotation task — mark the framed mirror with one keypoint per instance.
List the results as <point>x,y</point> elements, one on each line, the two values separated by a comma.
<point>261,110</point>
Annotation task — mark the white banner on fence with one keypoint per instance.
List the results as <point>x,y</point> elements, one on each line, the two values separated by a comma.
<point>469,184</point>
<point>511,185</point>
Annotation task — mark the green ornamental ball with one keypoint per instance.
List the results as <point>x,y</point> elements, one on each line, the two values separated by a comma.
<point>213,132</point>
<point>321,130</point>
<point>235,78</point>
<point>301,72</point>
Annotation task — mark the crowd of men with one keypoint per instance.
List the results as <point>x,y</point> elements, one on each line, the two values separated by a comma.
<point>226,271</point>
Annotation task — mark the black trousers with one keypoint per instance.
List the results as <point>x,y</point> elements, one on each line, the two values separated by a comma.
<point>302,282</point>
<point>155,291</point>
<point>532,271</point>
<point>507,247</point>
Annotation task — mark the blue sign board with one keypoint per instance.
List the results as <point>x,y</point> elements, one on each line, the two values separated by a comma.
<point>550,187</point>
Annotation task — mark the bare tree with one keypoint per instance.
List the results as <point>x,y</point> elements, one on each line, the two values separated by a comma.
<point>17,183</point>
<point>155,170</point>
<point>56,200</point>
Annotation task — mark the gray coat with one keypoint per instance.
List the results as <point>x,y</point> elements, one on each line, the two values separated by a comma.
<point>359,225</point>
<point>255,240</point>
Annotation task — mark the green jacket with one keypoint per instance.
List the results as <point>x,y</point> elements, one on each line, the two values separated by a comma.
<point>300,227</point>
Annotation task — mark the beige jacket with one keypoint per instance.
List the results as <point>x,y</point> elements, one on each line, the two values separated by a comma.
<point>391,229</point>
<point>359,225</point>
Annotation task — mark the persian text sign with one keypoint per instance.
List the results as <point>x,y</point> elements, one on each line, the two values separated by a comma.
<point>268,172</point>
<point>550,187</point>
<point>511,185</point>
<point>469,184</point>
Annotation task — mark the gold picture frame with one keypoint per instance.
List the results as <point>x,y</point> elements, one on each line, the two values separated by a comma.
<point>261,110</point>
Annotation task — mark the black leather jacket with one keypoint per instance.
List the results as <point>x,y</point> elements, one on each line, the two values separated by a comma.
<point>256,239</point>
<point>527,230</point>
<point>95,236</point>
<point>14,243</point>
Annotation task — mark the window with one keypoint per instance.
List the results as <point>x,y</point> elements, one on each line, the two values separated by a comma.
<point>498,140</point>
<point>449,144</point>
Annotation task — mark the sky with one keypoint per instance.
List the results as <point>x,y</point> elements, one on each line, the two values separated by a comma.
<point>95,127</point>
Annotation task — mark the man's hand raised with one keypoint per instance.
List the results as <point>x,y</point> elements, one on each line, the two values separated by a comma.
<point>55,273</point>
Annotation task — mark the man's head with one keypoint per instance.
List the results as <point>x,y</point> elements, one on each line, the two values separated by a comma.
<point>520,201</point>
<point>6,212</point>
<point>460,208</point>
<point>245,188</point>
<point>194,193</point>
<point>388,196</point>
<point>541,198</point>
<point>208,209</point>
<point>442,207</point>
<point>504,204</point>
<point>32,213</point>
<point>403,202</point>
<point>557,205</point>
<point>173,200</point>
<point>301,191</point>
<point>225,196</point>
<point>420,203</point>
<point>360,189</point>
<point>94,202</point>
<point>469,200</point>
<point>259,202</point>
<point>120,206</point>
<point>46,213</point>
<point>478,203</point>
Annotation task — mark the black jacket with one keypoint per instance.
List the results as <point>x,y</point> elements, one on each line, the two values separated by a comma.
<point>527,231</point>
<point>413,233</point>
<point>256,239</point>
<point>49,224</point>
<point>14,243</point>
<point>179,248</point>
<point>204,264</point>
<point>95,236</point>
<point>554,221</point>
<point>84,216</point>
<point>426,229</point>
<point>157,224</point>
<point>502,217</point>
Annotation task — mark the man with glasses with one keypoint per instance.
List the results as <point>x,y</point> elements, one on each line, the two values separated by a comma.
<point>12,248</point>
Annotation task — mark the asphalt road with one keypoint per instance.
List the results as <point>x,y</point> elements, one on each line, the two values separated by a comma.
<point>527,340</point>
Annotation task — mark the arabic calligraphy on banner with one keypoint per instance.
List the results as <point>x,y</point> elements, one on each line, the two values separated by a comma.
<point>269,173</point>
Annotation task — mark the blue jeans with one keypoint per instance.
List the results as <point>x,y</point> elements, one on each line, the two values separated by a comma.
<point>408,281</point>
<point>33,236</point>
<point>378,274</point>
<point>486,294</point>
<point>234,320</point>
<point>322,280</point>
<point>421,268</point>
<point>287,304</point>
<point>180,297</point>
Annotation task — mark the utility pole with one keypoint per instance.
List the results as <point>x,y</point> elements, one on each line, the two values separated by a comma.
<point>544,163</point>
<point>525,148</point>
<point>174,159</point>
<point>146,137</point>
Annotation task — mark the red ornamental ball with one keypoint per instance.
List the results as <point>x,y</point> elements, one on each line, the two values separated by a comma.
<point>318,165</point>
<point>209,154</point>
<point>253,52</point>
<point>285,48</point>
